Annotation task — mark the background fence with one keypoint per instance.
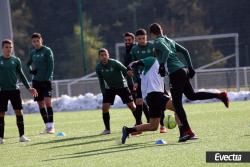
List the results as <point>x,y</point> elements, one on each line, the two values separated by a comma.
<point>223,78</point>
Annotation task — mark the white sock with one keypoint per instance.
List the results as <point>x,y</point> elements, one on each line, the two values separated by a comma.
<point>51,125</point>
<point>47,125</point>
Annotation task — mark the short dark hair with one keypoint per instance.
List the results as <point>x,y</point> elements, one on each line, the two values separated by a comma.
<point>141,31</point>
<point>155,28</point>
<point>36,35</point>
<point>6,41</point>
<point>102,50</point>
<point>129,34</point>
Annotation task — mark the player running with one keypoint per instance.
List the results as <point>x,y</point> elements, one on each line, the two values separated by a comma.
<point>10,69</point>
<point>41,65</point>
<point>166,52</point>
<point>142,50</point>
<point>112,78</point>
<point>129,40</point>
<point>152,87</point>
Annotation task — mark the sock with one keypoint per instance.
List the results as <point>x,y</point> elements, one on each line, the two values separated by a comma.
<point>146,111</point>
<point>131,130</point>
<point>138,114</point>
<point>2,127</point>
<point>49,125</point>
<point>44,115</point>
<point>106,118</point>
<point>162,119</point>
<point>181,130</point>
<point>50,114</point>
<point>20,124</point>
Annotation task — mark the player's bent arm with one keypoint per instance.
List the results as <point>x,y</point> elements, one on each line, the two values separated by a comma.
<point>185,52</point>
<point>50,61</point>
<point>133,66</point>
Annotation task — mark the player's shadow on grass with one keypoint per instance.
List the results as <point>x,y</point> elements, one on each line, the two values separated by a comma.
<point>83,143</point>
<point>115,149</point>
<point>67,139</point>
<point>246,135</point>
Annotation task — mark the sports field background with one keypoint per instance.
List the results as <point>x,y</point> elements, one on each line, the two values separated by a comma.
<point>219,129</point>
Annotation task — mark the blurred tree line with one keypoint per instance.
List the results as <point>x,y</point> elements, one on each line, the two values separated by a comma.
<point>106,21</point>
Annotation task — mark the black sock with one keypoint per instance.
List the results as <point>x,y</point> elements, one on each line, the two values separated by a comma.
<point>146,111</point>
<point>2,127</point>
<point>131,130</point>
<point>106,118</point>
<point>181,130</point>
<point>138,114</point>
<point>162,118</point>
<point>44,115</point>
<point>50,114</point>
<point>20,124</point>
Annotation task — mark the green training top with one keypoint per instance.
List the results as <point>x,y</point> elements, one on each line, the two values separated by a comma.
<point>10,70</point>
<point>148,63</point>
<point>111,75</point>
<point>141,52</point>
<point>166,52</point>
<point>43,61</point>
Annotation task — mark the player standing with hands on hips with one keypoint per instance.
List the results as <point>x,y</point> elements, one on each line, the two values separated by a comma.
<point>166,52</point>
<point>41,65</point>
<point>10,70</point>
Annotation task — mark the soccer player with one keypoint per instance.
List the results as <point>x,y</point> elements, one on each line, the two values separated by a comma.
<point>41,66</point>
<point>152,88</point>
<point>142,50</point>
<point>10,69</point>
<point>166,52</point>
<point>112,78</point>
<point>129,40</point>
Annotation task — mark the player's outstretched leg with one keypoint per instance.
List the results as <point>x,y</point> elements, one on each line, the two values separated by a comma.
<point>192,95</point>
<point>151,126</point>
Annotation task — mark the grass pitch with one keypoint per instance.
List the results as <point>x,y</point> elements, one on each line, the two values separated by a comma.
<point>219,129</point>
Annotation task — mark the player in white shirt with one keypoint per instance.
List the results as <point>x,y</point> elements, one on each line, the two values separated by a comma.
<point>152,87</point>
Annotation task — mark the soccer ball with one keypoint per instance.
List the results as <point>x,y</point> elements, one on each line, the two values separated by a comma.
<point>170,122</point>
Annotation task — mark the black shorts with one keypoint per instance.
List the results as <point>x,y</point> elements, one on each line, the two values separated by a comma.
<point>44,89</point>
<point>138,91</point>
<point>124,93</point>
<point>13,96</point>
<point>157,103</point>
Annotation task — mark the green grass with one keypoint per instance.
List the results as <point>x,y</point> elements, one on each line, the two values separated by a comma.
<point>219,129</point>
